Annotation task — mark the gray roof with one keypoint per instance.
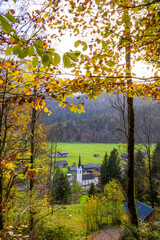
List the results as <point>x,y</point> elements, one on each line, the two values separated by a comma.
<point>63,152</point>
<point>124,155</point>
<point>143,210</point>
<point>92,165</point>
<point>87,177</point>
<point>62,162</point>
<point>73,169</point>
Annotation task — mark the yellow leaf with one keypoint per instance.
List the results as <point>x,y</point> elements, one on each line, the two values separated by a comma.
<point>45,109</point>
<point>88,74</point>
<point>9,166</point>
<point>60,104</point>
<point>7,64</point>
<point>28,92</point>
<point>76,73</point>
<point>27,76</point>
<point>28,62</point>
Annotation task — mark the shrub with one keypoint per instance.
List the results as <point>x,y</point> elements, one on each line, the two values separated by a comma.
<point>104,209</point>
<point>146,231</point>
<point>59,232</point>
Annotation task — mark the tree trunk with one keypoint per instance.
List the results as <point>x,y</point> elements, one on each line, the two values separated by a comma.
<point>33,121</point>
<point>150,180</point>
<point>132,208</point>
<point>131,185</point>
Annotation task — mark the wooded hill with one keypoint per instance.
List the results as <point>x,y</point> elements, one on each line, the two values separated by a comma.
<point>101,122</point>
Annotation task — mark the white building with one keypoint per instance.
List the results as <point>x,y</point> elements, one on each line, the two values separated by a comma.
<point>85,179</point>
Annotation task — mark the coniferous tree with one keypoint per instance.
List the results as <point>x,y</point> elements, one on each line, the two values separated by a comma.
<point>92,190</point>
<point>140,173</point>
<point>156,170</point>
<point>60,188</point>
<point>104,177</point>
<point>75,191</point>
<point>110,168</point>
<point>114,167</point>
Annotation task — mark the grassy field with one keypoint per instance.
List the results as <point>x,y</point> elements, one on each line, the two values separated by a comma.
<point>87,150</point>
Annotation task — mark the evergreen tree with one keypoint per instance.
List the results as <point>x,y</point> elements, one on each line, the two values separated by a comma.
<point>60,188</point>
<point>140,173</point>
<point>110,168</point>
<point>104,176</point>
<point>92,190</point>
<point>114,167</point>
<point>75,191</point>
<point>156,170</point>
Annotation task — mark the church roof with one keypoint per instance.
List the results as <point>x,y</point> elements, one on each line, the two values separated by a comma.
<point>79,163</point>
<point>87,177</point>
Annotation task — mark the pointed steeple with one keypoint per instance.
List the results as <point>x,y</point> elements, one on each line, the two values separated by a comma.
<point>79,163</point>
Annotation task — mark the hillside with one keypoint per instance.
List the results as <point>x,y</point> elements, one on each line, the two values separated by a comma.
<point>100,123</point>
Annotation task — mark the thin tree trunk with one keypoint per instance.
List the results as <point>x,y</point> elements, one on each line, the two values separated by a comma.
<point>150,180</point>
<point>1,150</point>
<point>33,121</point>
<point>132,208</point>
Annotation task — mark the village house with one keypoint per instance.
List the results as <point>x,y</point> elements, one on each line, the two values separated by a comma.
<point>60,154</point>
<point>145,212</point>
<point>61,163</point>
<point>85,174</point>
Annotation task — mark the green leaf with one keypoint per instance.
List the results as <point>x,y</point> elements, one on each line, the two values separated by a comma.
<point>76,44</point>
<point>72,56</point>
<point>9,50</point>
<point>98,2</point>
<point>77,53</point>
<point>45,60</point>
<point>31,51</point>
<point>16,38</point>
<point>11,18</point>
<point>24,53</point>
<point>16,49</point>
<point>39,51</point>
<point>5,24</point>
<point>40,43</point>
<point>35,61</point>
<point>56,59</point>
<point>84,48</point>
<point>66,61</point>
<point>111,63</point>
<point>14,1</point>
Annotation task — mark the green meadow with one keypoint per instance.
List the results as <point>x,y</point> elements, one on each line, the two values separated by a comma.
<point>86,151</point>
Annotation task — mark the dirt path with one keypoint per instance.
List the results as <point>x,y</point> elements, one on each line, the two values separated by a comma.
<point>106,234</point>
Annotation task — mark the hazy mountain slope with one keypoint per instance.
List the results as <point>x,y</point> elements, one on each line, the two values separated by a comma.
<point>100,121</point>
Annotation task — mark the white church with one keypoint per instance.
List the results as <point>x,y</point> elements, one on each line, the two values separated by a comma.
<point>86,174</point>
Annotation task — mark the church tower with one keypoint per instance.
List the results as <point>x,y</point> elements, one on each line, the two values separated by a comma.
<point>79,171</point>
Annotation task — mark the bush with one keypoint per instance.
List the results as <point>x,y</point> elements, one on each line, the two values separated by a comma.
<point>105,209</point>
<point>59,232</point>
<point>146,231</point>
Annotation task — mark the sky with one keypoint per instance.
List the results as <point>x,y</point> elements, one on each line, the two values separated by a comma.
<point>67,42</point>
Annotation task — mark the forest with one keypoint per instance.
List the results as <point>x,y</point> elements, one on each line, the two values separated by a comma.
<point>101,122</point>
<point>115,51</point>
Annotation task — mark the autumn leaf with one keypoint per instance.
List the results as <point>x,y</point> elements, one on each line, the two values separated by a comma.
<point>11,18</point>
<point>66,61</point>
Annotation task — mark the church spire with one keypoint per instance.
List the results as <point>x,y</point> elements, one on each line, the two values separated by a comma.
<point>79,163</point>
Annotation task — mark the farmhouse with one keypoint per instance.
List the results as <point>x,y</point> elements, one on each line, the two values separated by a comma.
<point>62,163</point>
<point>145,213</point>
<point>60,154</point>
<point>124,156</point>
<point>63,154</point>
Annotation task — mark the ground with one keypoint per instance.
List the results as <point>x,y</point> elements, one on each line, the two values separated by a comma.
<point>106,234</point>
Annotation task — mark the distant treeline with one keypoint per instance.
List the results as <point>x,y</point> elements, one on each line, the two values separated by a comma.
<point>101,123</point>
